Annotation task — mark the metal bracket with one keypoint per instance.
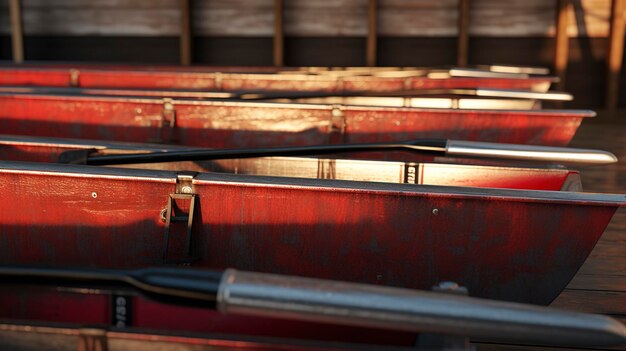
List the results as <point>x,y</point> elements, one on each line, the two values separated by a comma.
<point>218,80</point>
<point>336,125</point>
<point>180,210</point>
<point>168,121</point>
<point>74,77</point>
<point>408,83</point>
<point>455,103</point>
<point>169,114</point>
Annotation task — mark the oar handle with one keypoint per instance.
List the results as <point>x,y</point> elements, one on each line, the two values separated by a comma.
<point>410,310</point>
<point>316,300</point>
<point>475,149</point>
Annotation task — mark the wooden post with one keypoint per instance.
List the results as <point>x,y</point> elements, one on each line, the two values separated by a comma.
<point>561,41</point>
<point>372,33</point>
<point>616,53</point>
<point>17,35</point>
<point>185,32</point>
<point>279,35</point>
<point>463,39</point>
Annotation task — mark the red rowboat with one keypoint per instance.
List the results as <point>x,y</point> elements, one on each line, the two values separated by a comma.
<point>238,124</point>
<point>515,245</point>
<point>474,70</point>
<point>170,78</point>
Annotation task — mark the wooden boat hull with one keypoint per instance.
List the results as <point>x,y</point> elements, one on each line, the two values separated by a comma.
<point>504,244</point>
<point>228,81</point>
<point>513,245</point>
<point>241,124</point>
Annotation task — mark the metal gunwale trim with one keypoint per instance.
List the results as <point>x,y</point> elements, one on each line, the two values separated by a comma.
<point>81,171</point>
<point>482,113</point>
<point>333,185</point>
<point>216,94</point>
<point>86,143</point>
<point>54,97</point>
<point>159,101</point>
<point>524,94</point>
<point>129,70</point>
<point>213,75</point>
<point>325,185</point>
<point>50,144</point>
<point>321,107</point>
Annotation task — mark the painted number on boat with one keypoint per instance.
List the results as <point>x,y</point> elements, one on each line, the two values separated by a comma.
<point>121,311</point>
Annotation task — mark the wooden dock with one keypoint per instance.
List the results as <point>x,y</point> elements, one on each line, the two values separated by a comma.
<point>600,285</point>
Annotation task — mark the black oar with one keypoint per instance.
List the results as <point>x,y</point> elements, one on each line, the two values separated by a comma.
<point>433,147</point>
<point>316,300</point>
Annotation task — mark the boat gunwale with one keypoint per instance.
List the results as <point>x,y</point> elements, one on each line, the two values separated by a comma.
<point>573,113</point>
<point>325,185</point>
<point>292,75</point>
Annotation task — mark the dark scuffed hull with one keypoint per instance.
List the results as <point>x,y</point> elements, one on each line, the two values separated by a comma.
<point>505,244</point>
<point>515,245</point>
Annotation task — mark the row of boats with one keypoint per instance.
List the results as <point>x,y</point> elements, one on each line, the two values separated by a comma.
<point>117,178</point>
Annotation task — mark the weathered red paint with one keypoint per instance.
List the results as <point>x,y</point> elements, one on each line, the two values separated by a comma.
<point>504,244</point>
<point>168,78</point>
<point>239,124</point>
<point>32,149</point>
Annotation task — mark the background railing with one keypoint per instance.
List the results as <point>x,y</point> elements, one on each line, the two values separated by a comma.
<point>370,18</point>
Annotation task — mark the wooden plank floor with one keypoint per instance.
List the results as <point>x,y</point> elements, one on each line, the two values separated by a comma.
<point>600,285</point>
